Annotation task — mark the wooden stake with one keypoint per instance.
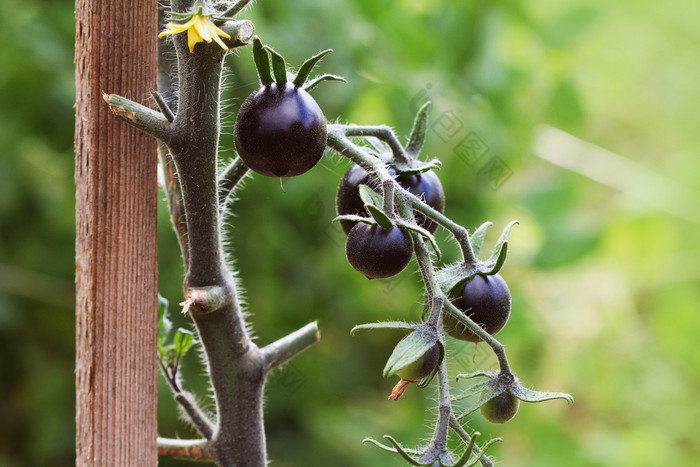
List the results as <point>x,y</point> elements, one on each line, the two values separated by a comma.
<point>116,269</point>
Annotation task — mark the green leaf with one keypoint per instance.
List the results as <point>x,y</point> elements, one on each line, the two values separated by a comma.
<point>477,238</point>
<point>530,395</point>
<point>384,325</point>
<point>279,66</point>
<point>408,350</point>
<point>388,448</point>
<point>417,136</point>
<point>184,339</point>
<point>402,452</point>
<point>262,62</point>
<point>307,66</point>
<point>462,462</point>
<point>314,82</point>
<point>378,215</point>
<point>164,324</point>
<point>369,196</point>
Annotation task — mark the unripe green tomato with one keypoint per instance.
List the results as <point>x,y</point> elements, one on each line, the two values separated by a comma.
<point>501,408</point>
<point>422,367</point>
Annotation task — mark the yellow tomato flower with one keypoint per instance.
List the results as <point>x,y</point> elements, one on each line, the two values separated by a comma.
<point>199,28</point>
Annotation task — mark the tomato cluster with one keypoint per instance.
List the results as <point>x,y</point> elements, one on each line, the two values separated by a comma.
<point>425,185</point>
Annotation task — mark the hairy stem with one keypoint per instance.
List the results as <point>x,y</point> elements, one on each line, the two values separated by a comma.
<point>185,449</point>
<point>230,178</point>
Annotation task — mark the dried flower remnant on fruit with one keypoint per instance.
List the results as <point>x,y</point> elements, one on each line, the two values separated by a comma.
<point>199,27</point>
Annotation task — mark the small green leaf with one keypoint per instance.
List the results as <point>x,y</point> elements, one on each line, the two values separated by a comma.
<point>388,448</point>
<point>530,395</point>
<point>184,339</point>
<point>369,196</point>
<point>383,325</point>
<point>164,324</point>
<point>476,374</point>
<point>307,66</point>
<point>279,66</point>
<point>262,62</point>
<point>408,350</point>
<point>417,136</point>
<point>314,82</point>
<point>477,238</point>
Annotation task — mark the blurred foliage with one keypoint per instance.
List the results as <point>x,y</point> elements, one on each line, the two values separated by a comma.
<point>605,285</point>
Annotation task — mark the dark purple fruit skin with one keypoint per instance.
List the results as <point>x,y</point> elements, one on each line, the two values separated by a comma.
<point>280,131</point>
<point>484,299</point>
<point>426,185</point>
<point>377,253</point>
<point>501,408</point>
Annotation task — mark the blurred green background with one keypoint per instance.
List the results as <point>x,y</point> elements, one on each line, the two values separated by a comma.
<point>604,267</point>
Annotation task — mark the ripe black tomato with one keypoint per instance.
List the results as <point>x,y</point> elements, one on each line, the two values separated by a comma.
<point>422,367</point>
<point>501,408</point>
<point>280,131</point>
<point>425,185</point>
<point>484,299</point>
<point>378,253</point>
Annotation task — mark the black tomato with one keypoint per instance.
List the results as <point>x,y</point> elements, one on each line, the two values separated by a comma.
<point>426,185</point>
<point>280,131</point>
<point>484,299</point>
<point>501,408</point>
<point>422,367</point>
<point>378,253</point>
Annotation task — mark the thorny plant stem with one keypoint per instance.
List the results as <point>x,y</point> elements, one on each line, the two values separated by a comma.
<point>382,132</point>
<point>230,178</point>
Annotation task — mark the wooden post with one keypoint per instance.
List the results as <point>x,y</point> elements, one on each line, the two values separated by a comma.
<point>116,270</point>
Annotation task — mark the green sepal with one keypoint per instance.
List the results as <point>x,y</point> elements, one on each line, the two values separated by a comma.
<point>451,277</point>
<point>164,324</point>
<point>384,325</point>
<point>488,394</point>
<point>482,451</point>
<point>476,374</point>
<point>183,341</point>
<point>314,82</point>
<point>396,448</point>
<point>307,66</point>
<point>353,218</point>
<point>416,167</point>
<point>410,348</point>
<point>262,62</point>
<point>498,256</point>
<point>369,196</point>
<point>279,66</point>
<point>473,390</point>
<point>462,461</point>
<point>417,136</point>
<point>378,215</point>
<point>530,395</point>
<point>477,238</point>
<point>426,234</point>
